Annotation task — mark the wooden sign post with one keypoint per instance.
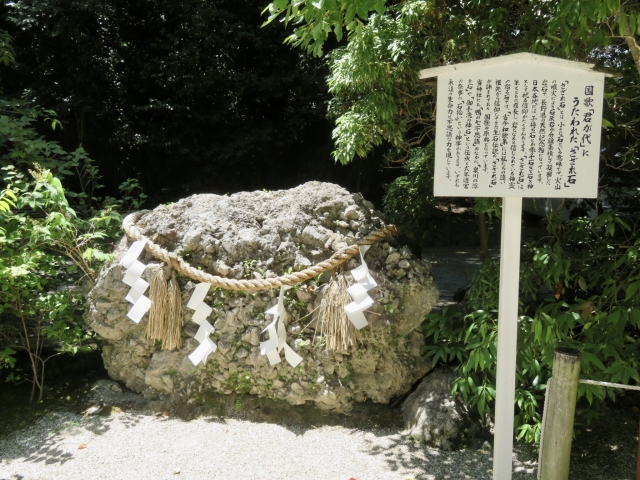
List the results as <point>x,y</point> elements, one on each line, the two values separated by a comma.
<point>521,125</point>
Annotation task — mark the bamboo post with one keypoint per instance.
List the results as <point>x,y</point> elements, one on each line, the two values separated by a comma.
<point>558,421</point>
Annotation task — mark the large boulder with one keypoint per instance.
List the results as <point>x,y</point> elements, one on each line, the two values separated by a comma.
<point>261,235</point>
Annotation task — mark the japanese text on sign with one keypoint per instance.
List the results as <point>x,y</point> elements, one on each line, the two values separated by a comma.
<point>522,133</point>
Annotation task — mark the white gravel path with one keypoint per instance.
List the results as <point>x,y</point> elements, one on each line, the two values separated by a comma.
<point>130,445</point>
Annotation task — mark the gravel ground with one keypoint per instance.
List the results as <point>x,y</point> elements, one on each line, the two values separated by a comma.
<point>137,446</point>
<point>144,441</point>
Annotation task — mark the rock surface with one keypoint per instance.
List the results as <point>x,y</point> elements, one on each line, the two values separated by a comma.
<point>437,418</point>
<point>259,235</point>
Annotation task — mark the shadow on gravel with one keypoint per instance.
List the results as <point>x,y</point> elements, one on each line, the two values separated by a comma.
<point>67,383</point>
<point>402,453</point>
<point>49,453</point>
<point>215,407</point>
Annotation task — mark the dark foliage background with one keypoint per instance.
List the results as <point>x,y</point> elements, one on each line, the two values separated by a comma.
<point>187,97</point>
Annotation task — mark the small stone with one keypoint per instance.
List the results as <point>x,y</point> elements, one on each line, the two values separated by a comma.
<point>191,240</point>
<point>225,343</point>
<point>328,368</point>
<point>252,336</point>
<point>351,239</point>
<point>242,353</point>
<point>299,343</point>
<point>326,396</point>
<point>303,295</point>
<point>301,261</point>
<point>229,247</point>
<point>393,258</point>
<point>405,252</point>
<point>404,264</point>
<point>335,246</point>
<point>350,213</point>
<point>294,329</point>
<point>315,235</point>
<point>296,387</point>
<point>223,268</point>
<point>93,410</point>
<point>247,238</point>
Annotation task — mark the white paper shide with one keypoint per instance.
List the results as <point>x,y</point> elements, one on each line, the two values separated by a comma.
<point>133,278</point>
<point>358,291</point>
<point>276,335</point>
<point>200,314</point>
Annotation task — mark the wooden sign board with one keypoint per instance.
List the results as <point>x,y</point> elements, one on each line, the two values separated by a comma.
<point>516,126</point>
<point>520,127</point>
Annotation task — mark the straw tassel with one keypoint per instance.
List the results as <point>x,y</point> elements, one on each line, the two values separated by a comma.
<point>335,326</point>
<point>159,292</point>
<point>173,322</point>
<point>165,316</point>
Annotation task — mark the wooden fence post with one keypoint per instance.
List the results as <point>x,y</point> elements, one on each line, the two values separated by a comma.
<point>558,421</point>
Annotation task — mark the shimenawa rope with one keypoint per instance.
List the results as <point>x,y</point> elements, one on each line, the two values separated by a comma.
<point>612,385</point>
<point>178,264</point>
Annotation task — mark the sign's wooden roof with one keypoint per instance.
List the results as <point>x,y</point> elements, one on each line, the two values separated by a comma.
<point>529,58</point>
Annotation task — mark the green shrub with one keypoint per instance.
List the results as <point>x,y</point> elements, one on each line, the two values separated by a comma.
<point>409,200</point>
<point>49,249</point>
<point>578,288</point>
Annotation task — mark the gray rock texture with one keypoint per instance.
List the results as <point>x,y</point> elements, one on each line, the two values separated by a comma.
<point>437,418</point>
<point>258,235</point>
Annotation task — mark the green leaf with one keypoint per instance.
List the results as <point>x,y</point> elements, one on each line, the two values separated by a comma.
<point>606,123</point>
<point>590,358</point>
<point>622,24</point>
<point>632,289</point>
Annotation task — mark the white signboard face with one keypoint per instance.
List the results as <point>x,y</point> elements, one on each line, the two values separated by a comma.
<point>518,130</point>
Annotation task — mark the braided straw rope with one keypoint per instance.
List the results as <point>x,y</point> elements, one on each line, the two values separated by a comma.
<point>178,264</point>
